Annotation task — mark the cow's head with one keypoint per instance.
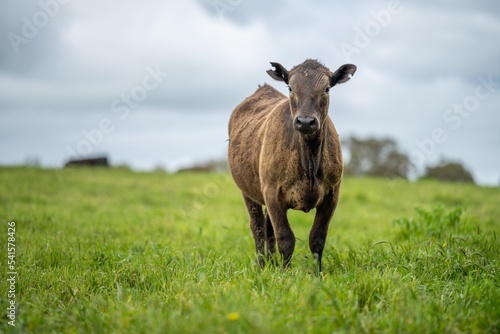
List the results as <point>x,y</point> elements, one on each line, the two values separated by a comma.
<point>309,84</point>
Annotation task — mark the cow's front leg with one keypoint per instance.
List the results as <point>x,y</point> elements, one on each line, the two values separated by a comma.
<point>319,231</point>
<point>283,233</point>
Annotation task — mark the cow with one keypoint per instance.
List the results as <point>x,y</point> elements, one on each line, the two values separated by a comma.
<point>94,162</point>
<point>284,153</point>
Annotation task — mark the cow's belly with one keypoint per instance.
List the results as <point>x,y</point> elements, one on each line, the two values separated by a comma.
<point>302,197</point>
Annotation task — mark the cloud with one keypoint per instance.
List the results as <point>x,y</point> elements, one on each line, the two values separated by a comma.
<point>99,55</point>
<point>447,43</point>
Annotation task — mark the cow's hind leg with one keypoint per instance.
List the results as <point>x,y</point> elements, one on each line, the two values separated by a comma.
<point>258,227</point>
<point>270,238</point>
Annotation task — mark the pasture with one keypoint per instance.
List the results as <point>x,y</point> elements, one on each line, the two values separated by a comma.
<point>114,251</point>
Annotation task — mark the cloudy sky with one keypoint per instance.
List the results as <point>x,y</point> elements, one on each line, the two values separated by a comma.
<point>153,83</point>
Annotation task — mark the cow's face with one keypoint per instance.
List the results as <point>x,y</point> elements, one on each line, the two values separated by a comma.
<point>309,84</point>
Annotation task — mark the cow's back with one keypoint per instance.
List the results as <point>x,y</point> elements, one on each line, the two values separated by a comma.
<point>246,130</point>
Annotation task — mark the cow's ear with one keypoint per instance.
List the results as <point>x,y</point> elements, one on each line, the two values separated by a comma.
<point>280,73</point>
<point>343,74</point>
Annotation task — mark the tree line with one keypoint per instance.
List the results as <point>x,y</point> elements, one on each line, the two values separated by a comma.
<point>381,157</point>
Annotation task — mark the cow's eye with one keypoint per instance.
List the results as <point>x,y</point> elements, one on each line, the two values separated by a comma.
<point>327,89</point>
<point>289,89</point>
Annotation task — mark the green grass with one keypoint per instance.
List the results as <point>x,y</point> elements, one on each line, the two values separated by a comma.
<point>112,251</point>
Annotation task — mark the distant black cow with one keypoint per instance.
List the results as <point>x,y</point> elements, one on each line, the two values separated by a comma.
<point>99,162</point>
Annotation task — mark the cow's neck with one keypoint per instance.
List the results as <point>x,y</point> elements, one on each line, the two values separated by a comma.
<point>310,149</point>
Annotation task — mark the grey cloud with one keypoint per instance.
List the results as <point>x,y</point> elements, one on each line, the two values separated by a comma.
<point>447,44</point>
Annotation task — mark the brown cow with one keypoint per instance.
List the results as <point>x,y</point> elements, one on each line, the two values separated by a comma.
<point>285,153</point>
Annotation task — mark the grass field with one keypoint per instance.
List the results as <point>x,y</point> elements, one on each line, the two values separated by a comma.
<point>113,251</point>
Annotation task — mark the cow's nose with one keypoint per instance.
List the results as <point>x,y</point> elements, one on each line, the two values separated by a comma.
<point>306,124</point>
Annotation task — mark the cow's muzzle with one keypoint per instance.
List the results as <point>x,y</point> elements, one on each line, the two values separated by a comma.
<point>306,124</point>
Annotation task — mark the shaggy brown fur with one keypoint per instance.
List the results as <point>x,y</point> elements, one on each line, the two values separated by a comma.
<point>285,153</point>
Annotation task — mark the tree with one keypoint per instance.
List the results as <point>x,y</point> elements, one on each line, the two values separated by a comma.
<point>376,157</point>
<point>448,171</point>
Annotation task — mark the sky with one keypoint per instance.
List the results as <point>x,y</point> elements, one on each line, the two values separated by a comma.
<point>152,84</point>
